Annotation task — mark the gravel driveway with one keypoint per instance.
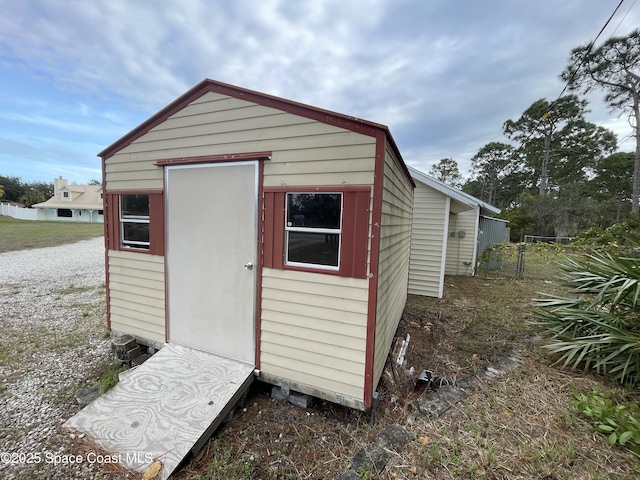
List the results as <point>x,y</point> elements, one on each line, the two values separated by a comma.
<point>53,342</point>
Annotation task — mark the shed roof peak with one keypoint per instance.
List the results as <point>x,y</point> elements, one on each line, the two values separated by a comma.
<point>208,85</point>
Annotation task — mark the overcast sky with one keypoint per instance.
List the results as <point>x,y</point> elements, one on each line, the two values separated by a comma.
<point>444,75</point>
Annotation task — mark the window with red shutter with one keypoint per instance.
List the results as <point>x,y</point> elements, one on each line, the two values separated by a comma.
<point>319,230</point>
<point>135,221</point>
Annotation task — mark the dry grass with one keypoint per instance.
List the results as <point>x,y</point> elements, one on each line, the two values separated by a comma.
<point>518,426</point>
<point>273,440</point>
<point>515,426</point>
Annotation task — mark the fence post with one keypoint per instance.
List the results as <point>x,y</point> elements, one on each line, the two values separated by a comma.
<point>520,264</point>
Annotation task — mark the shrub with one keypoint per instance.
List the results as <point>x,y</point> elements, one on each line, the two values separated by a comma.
<point>600,329</point>
<point>618,235</point>
<point>620,422</point>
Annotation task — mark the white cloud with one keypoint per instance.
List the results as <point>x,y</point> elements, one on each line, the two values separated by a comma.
<point>442,75</point>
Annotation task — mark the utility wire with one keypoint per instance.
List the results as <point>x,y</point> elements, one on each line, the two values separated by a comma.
<point>590,47</point>
<point>584,57</point>
<point>623,17</point>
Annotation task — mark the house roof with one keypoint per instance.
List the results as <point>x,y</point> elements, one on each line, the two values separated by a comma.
<point>207,85</point>
<point>468,200</point>
<point>87,198</point>
<point>74,188</point>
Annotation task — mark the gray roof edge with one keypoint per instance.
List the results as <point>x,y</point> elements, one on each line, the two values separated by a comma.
<point>494,218</point>
<point>452,192</point>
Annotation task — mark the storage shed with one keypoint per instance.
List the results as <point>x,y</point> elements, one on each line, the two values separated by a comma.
<point>446,234</point>
<point>261,230</point>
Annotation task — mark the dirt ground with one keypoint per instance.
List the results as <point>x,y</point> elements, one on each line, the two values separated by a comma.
<point>270,439</point>
<point>518,426</point>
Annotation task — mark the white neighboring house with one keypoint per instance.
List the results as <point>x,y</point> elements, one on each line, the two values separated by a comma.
<point>72,203</point>
<point>450,230</point>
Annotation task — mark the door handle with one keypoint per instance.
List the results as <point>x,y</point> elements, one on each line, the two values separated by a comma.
<point>248,266</point>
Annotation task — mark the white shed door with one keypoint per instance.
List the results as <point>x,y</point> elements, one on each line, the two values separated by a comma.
<point>211,253</point>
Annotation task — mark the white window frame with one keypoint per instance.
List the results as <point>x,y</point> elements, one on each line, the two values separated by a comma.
<point>132,219</point>
<point>290,228</point>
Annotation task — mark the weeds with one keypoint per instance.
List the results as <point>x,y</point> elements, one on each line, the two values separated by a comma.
<point>620,422</point>
<point>73,289</point>
<point>69,341</point>
<point>363,472</point>
<point>109,378</point>
<point>520,425</point>
<point>225,463</point>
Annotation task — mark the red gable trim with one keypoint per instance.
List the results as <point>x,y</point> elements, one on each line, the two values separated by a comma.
<point>207,85</point>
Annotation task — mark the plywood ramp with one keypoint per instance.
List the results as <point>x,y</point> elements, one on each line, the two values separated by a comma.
<point>166,408</point>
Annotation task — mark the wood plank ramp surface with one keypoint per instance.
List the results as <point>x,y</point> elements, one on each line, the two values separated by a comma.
<point>166,408</point>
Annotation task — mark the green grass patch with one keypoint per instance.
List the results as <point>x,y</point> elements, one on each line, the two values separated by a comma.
<point>538,259</point>
<point>104,375</point>
<point>71,289</point>
<point>109,377</point>
<point>69,341</point>
<point>228,463</point>
<point>24,234</point>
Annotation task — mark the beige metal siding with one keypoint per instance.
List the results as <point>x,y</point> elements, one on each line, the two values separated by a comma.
<point>305,152</point>
<point>428,241</point>
<point>136,294</point>
<point>460,250</point>
<point>313,332</point>
<point>395,238</point>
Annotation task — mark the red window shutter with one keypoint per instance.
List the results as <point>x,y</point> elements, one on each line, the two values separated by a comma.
<point>112,219</point>
<point>273,235</point>
<point>156,223</point>
<point>355,234</point>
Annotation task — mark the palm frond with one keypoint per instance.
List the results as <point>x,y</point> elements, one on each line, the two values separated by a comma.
<point>599,329</point>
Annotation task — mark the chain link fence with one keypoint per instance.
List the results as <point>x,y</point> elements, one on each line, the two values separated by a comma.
<point>520,261</point>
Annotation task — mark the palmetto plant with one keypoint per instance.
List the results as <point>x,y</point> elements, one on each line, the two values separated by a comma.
<point>599,328</point>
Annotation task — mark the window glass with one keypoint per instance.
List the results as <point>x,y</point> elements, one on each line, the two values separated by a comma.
<point>134,221</point>
<point>65,212</point>
<point>313,248</point>
<point>134,205</point>
<point>314,210</point>
<point>313,229</point>
<point>136,233</point>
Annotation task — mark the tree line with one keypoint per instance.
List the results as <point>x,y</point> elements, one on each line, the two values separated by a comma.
<point>556,173</point>
<point>13,189</point>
